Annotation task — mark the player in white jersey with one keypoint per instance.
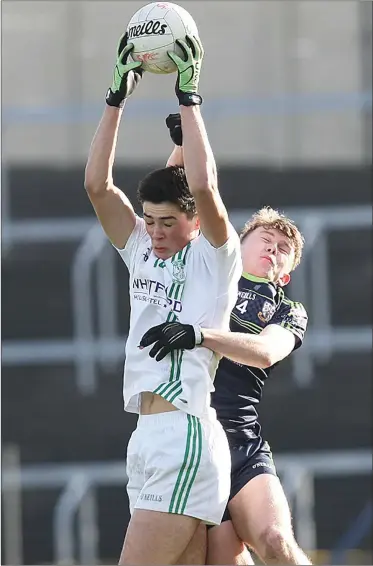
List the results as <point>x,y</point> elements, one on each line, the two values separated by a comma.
<point>184,262</point>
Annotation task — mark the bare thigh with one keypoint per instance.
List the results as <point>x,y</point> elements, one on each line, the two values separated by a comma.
<point>259,506</point>
<point>155,538</point>
<point>225,547</point>
<point>195,552</point>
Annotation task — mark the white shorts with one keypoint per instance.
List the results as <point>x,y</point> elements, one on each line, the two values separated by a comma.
<point>178,463</point>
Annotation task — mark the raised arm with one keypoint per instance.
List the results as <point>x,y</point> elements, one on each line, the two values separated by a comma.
<point>176,157</point>
<point>173,122</point>
<point>112,207</point>
<point>199,162</point>
<point>200,170</point>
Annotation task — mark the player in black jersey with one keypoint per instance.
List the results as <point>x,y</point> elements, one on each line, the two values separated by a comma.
<point>265,327</point>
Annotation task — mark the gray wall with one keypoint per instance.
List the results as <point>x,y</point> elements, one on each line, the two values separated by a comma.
<point>60,55</point>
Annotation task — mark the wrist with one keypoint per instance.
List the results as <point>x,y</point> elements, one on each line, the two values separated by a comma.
<point>189,98</point>
<point>115,99</point>
<point>112,116</point>
<point>208,338</point>
<point>199,337</point>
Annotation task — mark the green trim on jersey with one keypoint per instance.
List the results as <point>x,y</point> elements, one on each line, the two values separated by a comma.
<point>288,301</point>
<point>294,305</point>
<point>159,262</point>
<point>255,278</point>
<point>255,328</point>
<point>189,468</point>
<point>172,388</point>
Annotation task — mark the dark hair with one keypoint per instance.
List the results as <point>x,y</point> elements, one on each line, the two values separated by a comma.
<point>167,185</point>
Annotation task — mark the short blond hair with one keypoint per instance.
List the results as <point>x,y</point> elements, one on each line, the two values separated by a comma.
<point>268,217</point>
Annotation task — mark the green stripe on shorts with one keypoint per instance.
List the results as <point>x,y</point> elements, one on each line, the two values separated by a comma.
<point>189,468</point>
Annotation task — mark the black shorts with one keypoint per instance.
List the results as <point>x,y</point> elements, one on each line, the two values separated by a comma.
<point>250,458</point>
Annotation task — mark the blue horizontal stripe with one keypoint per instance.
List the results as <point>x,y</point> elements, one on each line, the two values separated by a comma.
<point>224,107</point>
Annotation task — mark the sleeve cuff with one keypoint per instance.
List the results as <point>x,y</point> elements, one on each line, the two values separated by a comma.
<point>198,334</point>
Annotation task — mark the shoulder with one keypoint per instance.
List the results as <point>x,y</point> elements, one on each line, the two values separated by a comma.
<point>292,315</point>
<point>226,257</point>
<point>292,308</point>
<point>138,243</point>
<point>223,263</point>
<point>201,243</point>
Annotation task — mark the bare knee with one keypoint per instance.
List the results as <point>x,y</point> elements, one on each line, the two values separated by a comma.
<point>195,553</point>
<point>276,545</point>
<point>154,537</point>
<point>225,547</point>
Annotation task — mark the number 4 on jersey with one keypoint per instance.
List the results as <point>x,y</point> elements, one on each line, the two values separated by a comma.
<point>242,307</point>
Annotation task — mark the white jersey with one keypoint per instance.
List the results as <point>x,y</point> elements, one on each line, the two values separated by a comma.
<point>198,285</point>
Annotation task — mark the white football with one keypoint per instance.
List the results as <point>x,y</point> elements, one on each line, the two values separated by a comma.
<point>153,31</point>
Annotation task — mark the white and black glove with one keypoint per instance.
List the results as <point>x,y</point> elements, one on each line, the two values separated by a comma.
<point>171,336</point>
<point>127,75</point>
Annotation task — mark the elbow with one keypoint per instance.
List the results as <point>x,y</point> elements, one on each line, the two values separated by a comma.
<point>90,181</point>
<point>266,360</point>
<point>95,186</point>
<point>89,186</point>
<point>203,188</point>
<point>265,363</point>
<point>204,184</point>
<point>93,189</point>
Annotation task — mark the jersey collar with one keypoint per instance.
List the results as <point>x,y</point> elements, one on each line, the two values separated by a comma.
<point>255,278</point>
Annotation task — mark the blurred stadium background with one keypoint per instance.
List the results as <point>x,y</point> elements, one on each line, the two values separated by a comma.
<point>288,106</point>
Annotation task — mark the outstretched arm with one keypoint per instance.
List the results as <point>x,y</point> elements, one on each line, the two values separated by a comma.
<point>200,169</point>
<point>173,122</point>
<point>272,345</point>
<point>112,207</point>
<point>176,157</point>
<point>199,162</point>
<point>263,350</point>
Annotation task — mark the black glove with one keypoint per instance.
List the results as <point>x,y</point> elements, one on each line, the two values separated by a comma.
<point>171,336</point>
<point>173,123</point>
<point>126,75</point>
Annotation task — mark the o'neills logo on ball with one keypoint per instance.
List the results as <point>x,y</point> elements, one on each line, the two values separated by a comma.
<point>147,28</point>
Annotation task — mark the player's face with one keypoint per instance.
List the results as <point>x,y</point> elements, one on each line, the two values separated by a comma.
<point>169,229</point>
<point>268,253</point>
